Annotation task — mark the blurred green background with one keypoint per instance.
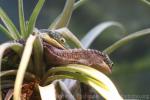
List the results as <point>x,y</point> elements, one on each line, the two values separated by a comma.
<point>131,71</point>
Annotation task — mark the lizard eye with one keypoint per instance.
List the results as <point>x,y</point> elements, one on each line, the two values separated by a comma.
<point>62,40</point>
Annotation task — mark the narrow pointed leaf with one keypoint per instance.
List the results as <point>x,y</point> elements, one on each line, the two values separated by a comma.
<point>23,66</point>
<point>100,88</point>
<point>9,24</point>
<point>79,3</point>
<point>98,30</point>
<point>76,76</point>
<point>75,6</point>
<point>33,17</point>
<point>38,56</point>
<point>71,39</point>
<point>64,18</point>
<point>21,18</point>
<point>6,32</point>
<point>146,1</point>
<point>126,40</point>
<point>92,75</point>
<point>28,75</point>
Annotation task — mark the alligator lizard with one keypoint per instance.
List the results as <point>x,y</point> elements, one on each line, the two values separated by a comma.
<point>60,56</point>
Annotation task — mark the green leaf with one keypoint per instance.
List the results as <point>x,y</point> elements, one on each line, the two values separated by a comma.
<point>6,32</point>
<point>33,17</point>
<point>98,30</point>
<point>23,66</point>
<point>79,3</point>
<point>85,74</point>
<point>60,20</point>
<point>64,18</point>
<point>9,24</point>
<point>126,40</point>
<point>38,57</point>
<point>28,76</point>
<point>21,18</point>
<point>71,39</point>
<point>87,80</point>
<point>76,76</point>
<point>146,1</point>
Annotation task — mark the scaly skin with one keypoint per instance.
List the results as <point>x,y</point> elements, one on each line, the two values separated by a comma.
<point>96,59</point>
<point>59,55</point>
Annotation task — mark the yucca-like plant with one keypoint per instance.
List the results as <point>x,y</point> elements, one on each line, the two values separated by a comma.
<point>24,72</point>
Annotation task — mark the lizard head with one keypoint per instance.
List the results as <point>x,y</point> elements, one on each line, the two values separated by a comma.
<point>106,63</point>
<point>107,60</point>
<point>100,61</point>
<point>54,38</point>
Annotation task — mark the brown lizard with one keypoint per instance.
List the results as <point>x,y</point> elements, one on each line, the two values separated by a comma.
<point>61,56</point>
<point>94,58</point>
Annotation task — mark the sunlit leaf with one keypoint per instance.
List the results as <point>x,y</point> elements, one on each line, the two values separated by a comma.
<point>98,30</point>
<point>23,66</point>
<point>87,75</point>
<point>48,92</point>
<point>89,81</point>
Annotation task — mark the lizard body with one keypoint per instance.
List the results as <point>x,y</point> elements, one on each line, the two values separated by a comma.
<point>56,53</point>
<point>94,58</point>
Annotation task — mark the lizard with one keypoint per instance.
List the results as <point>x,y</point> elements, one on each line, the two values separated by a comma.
<point>59,53</point>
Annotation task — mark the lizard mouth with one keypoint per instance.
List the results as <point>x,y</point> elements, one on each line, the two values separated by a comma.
<point>52,41</point>
<point>105,68</point>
